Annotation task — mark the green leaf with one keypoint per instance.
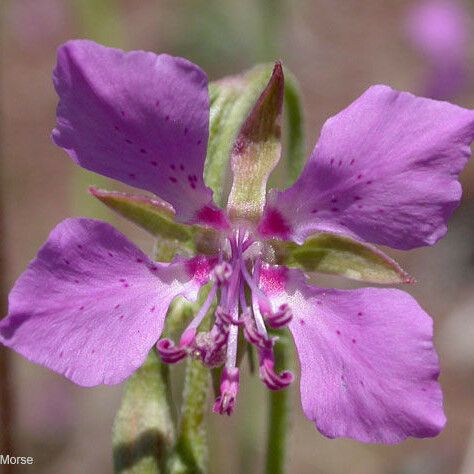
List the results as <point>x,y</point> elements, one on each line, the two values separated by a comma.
<point>331,253</point>
<point>143,432</point>
<point>232,98</point>
<point>257,151</point>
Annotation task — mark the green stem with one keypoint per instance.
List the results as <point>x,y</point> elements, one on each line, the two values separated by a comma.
<point>278,419</point>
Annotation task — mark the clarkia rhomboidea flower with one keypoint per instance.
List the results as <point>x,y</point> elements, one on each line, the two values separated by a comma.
<point>384,171</point>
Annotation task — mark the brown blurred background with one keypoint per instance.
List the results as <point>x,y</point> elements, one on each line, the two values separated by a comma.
<point>336,48</point>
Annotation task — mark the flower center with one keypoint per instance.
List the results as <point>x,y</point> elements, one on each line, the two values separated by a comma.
<point>242,305</point>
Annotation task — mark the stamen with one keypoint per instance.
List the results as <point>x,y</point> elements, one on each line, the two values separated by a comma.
<point>223,272</point>
<point>281,318</point>
<point>169,353</point>
<point>190,332</point>
<point>258,296</point>
<point>268,375</point>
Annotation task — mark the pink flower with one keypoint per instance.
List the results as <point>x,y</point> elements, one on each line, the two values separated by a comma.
<point>92,305</point>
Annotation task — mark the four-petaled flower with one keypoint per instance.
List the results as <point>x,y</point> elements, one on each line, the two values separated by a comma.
<point>92,305</point>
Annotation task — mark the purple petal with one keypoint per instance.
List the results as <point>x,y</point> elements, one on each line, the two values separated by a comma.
<point>92,305</point>
<point>384,170</point>
<point>139,118</point>
<point>368,366</point>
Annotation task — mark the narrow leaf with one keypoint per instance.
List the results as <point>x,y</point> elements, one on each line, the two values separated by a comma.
<point>331,253</point>
<point>257,151</point>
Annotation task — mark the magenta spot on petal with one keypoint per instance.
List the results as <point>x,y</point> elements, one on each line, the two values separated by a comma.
<point>361,382</point>
<point>181,167</point>
<point>122,113</point>
<point>167,118</point>
<point>128,141</point>
<point>319,302</point>
<point>302,322</point>
<point>357,198</point>
<point>359,176</point>
<point>360,206</point>
<point>198,142</point>
<point>153,268</point>
<point>81,308</point>
<point>273,280</point>
<point>121,317</point>
<point>139,260</point>
<point>273,223</point>
<point>338,332</point>
<point>117,306</point>
<point>132,175</point>
<point>334,209</point>
<point>200,268</point>
<point>185,131</point>
<point>213,217</point>
<point>359,313</point>
<point>173,179</point>
<point>142,150</point>
<point>117,128</point>
<point>173,167</point>
<point>314,211</point>
<point>157,103</point>
<point>122,280</point>
<point>334,200</point>
<point>332,161</point>
<point>340,163</point>
<point>381,211</point>
<point>354,341</point>
<point>76,280</point>
<point>93,351</point>
<point>352,161</point>
<point>67,262</point>
<point>153,163</point>
<point>369,182</point>
<point>79,246</point>
<point>126,285</point>
<point>110,254</point>
<point>61,353</point>
<point>152,309</point>
<point>423,389</point>
<point>193,185</point>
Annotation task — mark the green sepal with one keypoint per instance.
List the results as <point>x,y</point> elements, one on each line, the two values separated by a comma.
<point>335,254</point>
<point>231,98</point>
<point>153,215</point>
<point>256,151</point>
<point>143,432</point>
<point>157,218</point>
<point>294,152</point>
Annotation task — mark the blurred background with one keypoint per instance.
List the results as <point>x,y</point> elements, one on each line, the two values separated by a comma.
<point>336,49</point>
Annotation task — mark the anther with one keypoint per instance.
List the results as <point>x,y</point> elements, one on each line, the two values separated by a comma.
<point>225,402</point>
<point>281,317</point>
